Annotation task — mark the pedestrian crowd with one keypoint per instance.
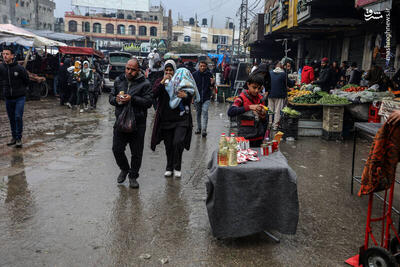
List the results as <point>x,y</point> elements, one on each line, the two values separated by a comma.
<point>171,88</point>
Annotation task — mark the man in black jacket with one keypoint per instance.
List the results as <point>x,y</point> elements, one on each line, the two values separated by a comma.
<point>324,79</point>
<point>14,80</point>
<point>204,80</point>
<point>137,90</point>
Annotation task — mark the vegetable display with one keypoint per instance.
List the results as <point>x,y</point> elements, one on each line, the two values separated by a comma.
<point>333,100</point>
<point>354,88</point>
<point>311,98</point>
<point>297,93</point>
<point>291,112</point>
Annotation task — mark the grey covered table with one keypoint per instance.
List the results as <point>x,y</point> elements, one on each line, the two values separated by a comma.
<point>252,197</point>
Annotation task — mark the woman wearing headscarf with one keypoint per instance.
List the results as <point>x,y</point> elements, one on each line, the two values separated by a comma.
<point>83,93</point>
<point>63,81</point>
<point>173,121</point>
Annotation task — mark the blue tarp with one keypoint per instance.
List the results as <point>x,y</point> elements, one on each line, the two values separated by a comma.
<point>220,57</point>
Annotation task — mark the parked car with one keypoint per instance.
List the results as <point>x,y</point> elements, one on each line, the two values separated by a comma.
<point>116,67</point>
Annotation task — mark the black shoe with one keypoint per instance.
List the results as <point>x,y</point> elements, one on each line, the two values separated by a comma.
<point>204,134</point>
<point>197,131</point>
<point>18,143</point>
<point>12,142</point>
<point>122,177</point>
<point>133,183</point>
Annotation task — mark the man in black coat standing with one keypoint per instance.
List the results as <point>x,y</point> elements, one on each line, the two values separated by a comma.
<point>136,90</point>
<point>325,76</point>
<point>15,80</point>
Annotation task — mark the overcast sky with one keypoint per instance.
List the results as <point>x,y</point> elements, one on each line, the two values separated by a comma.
<point>204,9</point>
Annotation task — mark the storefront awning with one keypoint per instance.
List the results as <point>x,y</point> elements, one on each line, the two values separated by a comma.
<point>84,51</point>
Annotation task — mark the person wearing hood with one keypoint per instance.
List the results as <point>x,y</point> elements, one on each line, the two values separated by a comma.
<point>63,81</point>
<point>131,87</point>
<point>325,76</point>
<point>170,124</point>
<point>278,93</point>
<point>307,74</point>
<point>86,76</point>
<point>152,57</point>
<point>355,74</point>
<point>15,81</point>
<point>73,82</point>
<point>154,74</point>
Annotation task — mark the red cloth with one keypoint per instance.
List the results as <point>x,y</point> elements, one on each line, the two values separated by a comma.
<point>380,168</point>
<point>307,75</point>
<point>227,71</point>
<point>325,59</point>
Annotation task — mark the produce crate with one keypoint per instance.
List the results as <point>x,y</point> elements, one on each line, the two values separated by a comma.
<point>289,126</point>
<point>310,128</point>
<point>333,119</point>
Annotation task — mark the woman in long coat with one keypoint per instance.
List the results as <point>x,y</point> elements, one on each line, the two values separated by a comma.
<point>173,125</point>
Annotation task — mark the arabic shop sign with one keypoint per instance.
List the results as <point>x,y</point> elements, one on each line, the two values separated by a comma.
<point>303,10</point>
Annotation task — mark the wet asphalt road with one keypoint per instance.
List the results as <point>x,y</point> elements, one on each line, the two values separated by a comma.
<point>60,204</point>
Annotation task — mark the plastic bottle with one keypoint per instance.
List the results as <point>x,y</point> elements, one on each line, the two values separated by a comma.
<point>223,151</point>
<point>232,159</point>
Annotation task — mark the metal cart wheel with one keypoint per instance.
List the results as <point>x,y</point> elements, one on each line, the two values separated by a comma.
<point>44,89</point>
<point>395,248</point>
<point>378,257</point>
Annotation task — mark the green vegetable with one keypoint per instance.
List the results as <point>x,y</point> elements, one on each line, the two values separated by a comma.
<point>333,100</point>
<point>307,99</point>
<point>291,112</point>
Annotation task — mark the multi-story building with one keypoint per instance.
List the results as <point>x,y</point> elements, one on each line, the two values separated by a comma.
<point>209,39</point>
<point>121,28</point>
<point>33,14</point>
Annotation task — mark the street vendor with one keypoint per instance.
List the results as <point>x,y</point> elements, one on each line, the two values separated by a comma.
<point>249,107</point>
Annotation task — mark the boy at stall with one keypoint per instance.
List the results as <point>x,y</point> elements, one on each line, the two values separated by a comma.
<point>249,108</point>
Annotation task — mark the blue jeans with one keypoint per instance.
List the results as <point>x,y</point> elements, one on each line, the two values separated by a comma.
<point>202,115</point>
<point>15,112</point>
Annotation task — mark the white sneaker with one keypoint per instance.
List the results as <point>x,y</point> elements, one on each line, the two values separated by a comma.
<point>168,174</point>
<point>68,105</point>
<point>177,174</point>
<point>81,110</point>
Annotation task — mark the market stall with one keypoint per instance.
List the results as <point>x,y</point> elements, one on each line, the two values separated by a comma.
<point>80,51</point>
<point>10,34</point>
<point>253,197</point>
<point>327,111</point>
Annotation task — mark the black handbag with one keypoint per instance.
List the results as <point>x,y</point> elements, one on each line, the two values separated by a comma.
<point>126,121</point>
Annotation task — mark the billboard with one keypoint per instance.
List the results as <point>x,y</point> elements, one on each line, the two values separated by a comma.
<point>137,5</point>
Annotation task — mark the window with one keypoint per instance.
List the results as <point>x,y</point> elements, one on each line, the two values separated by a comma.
<point>22,3</point>
<point>132,30</point>
<point>142,31</point>
<point>72,26</point>
<point>121,29</point>
<point>215,39</point>
<point>85,26</point>
<point>186,39</point>
<point>175,38</point>
<point>110,28</point>
<point>129,17</point>
<point>222,40</point>
<point>97,27</point>
<point>155,18</point>
<point>153,31</point>
<point>203,40</point>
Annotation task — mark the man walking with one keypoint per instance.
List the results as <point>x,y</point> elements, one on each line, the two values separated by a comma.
<point>136,89</point>
<point>278,93</point>
<point>15,80</point>
<point>204,81</point>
